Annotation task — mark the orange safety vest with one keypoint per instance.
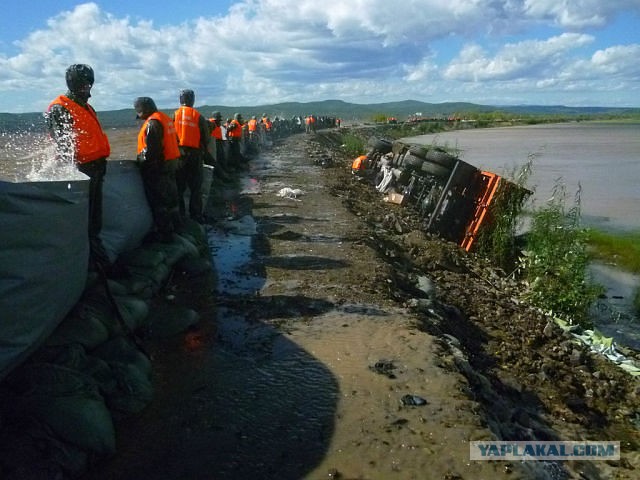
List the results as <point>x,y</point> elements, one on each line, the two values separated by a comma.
<point>91,143</point>
<point>186,120</point>
<point>169,139</point>
<point>235,132</point>
<point>217,130</point>
<point>267,123</point>
<point>359,163</point>
<point>252,125</point>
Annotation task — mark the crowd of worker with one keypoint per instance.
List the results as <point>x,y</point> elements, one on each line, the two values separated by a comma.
<point>171,152</point>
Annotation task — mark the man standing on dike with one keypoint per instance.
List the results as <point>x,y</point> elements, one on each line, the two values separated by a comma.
<point>193,136</point>
<point>234,136</point>
<point>158,155</point>
<point>73,124</point>
<point>217,136</point>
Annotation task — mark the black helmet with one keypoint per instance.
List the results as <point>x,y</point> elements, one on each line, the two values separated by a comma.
<point>79,75</point>
<point>238,117</point>
<point>187,97</point>
<point>144,107</point>
<point>216,115</point>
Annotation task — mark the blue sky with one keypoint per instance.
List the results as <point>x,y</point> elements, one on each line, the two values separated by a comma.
<point>252,52</point>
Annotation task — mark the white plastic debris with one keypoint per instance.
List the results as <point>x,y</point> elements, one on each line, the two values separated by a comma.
<point>292,193</point>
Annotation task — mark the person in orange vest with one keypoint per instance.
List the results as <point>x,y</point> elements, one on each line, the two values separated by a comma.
<point>359,165</point>
<point>158,156</point>
<point>79,139</point>
<point>252,127</point>
<point>218,137</point>
<point>193,138</point>
<point>267,125</point>
<point>234,135</point>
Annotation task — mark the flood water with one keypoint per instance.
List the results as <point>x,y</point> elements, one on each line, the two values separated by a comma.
<point>603,158</point>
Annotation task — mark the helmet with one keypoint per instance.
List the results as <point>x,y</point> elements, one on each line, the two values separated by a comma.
<point>144,107</point>
<point>253,118</point>
<point>78,76</point>
<point>217,115</point>
<point>238,117</point>
<point>187,97</point>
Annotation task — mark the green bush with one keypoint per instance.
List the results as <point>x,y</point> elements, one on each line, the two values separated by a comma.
<point>555,262</point>
<point>353,145</point>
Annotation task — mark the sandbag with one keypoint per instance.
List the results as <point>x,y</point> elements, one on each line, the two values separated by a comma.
<point>69,403</point>
<point>169,320</point>
<point>131,369</point>
<point>44,253</point>
<point>127,217</point>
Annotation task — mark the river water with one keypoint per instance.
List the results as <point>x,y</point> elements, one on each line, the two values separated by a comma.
<point>603,158</point>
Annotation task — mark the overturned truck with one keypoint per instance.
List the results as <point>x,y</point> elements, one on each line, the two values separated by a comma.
<point>456,200</point>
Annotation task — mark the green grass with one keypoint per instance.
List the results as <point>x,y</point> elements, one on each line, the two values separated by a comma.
<point>621,249</point>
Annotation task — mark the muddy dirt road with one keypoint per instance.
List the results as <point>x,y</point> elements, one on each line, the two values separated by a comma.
<point>326,315</point>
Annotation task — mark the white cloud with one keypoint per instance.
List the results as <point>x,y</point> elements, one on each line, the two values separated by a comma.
<point>275,50</point>
<point>527,59</point>
<point>578,14</point>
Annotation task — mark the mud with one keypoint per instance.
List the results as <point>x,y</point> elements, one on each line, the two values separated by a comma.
<point>323,313</point>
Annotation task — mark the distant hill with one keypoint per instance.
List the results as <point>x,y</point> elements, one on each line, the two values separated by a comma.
<point>335,108</point>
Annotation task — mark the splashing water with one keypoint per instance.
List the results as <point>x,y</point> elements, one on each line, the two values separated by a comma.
<point>29,156</point>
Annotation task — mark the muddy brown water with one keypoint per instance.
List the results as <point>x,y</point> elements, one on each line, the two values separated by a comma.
<point>284,388</point>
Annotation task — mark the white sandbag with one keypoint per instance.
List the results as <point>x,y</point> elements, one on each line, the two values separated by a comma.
<point>127,217</point>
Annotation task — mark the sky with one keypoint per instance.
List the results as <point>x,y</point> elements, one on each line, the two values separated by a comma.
<point>258,52</point>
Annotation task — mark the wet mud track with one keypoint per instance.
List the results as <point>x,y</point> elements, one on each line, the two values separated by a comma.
<point>306,353</point>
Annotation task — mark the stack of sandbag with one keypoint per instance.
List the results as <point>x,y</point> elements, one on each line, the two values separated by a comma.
<point>57,408</point>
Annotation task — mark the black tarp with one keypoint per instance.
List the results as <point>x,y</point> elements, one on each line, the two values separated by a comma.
<point>44,253</point>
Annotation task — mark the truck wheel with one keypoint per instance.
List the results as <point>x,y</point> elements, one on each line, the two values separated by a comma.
<point>441,158</point>
<point>435,169</point>
<point>413,161</point>
<point>419,151</point>
<point>380,144</point>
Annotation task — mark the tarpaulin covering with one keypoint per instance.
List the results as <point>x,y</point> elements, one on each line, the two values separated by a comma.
<point>44,251</point>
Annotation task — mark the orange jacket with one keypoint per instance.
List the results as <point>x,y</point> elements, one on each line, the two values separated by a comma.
<point>252,125</point>
<point>170,138</point>
<point>91,143</point>
<point>216,131</point>
<point>186,120</point>
<point>267,123</point>
<point>359,163</point>
<point>236,129</point>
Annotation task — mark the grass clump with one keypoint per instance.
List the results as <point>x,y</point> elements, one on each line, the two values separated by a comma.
<point>353,145</point>
<point>555,262</point>
<point>621,249</point>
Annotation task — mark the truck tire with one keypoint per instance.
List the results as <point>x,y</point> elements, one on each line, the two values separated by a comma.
<point>441,158</point>
<point>434,169</point>
<point>379,144</point>
<point>419,151</point>
<point>413,161</point>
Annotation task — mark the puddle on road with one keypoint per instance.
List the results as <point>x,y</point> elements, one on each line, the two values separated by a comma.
<point>290,392</point>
